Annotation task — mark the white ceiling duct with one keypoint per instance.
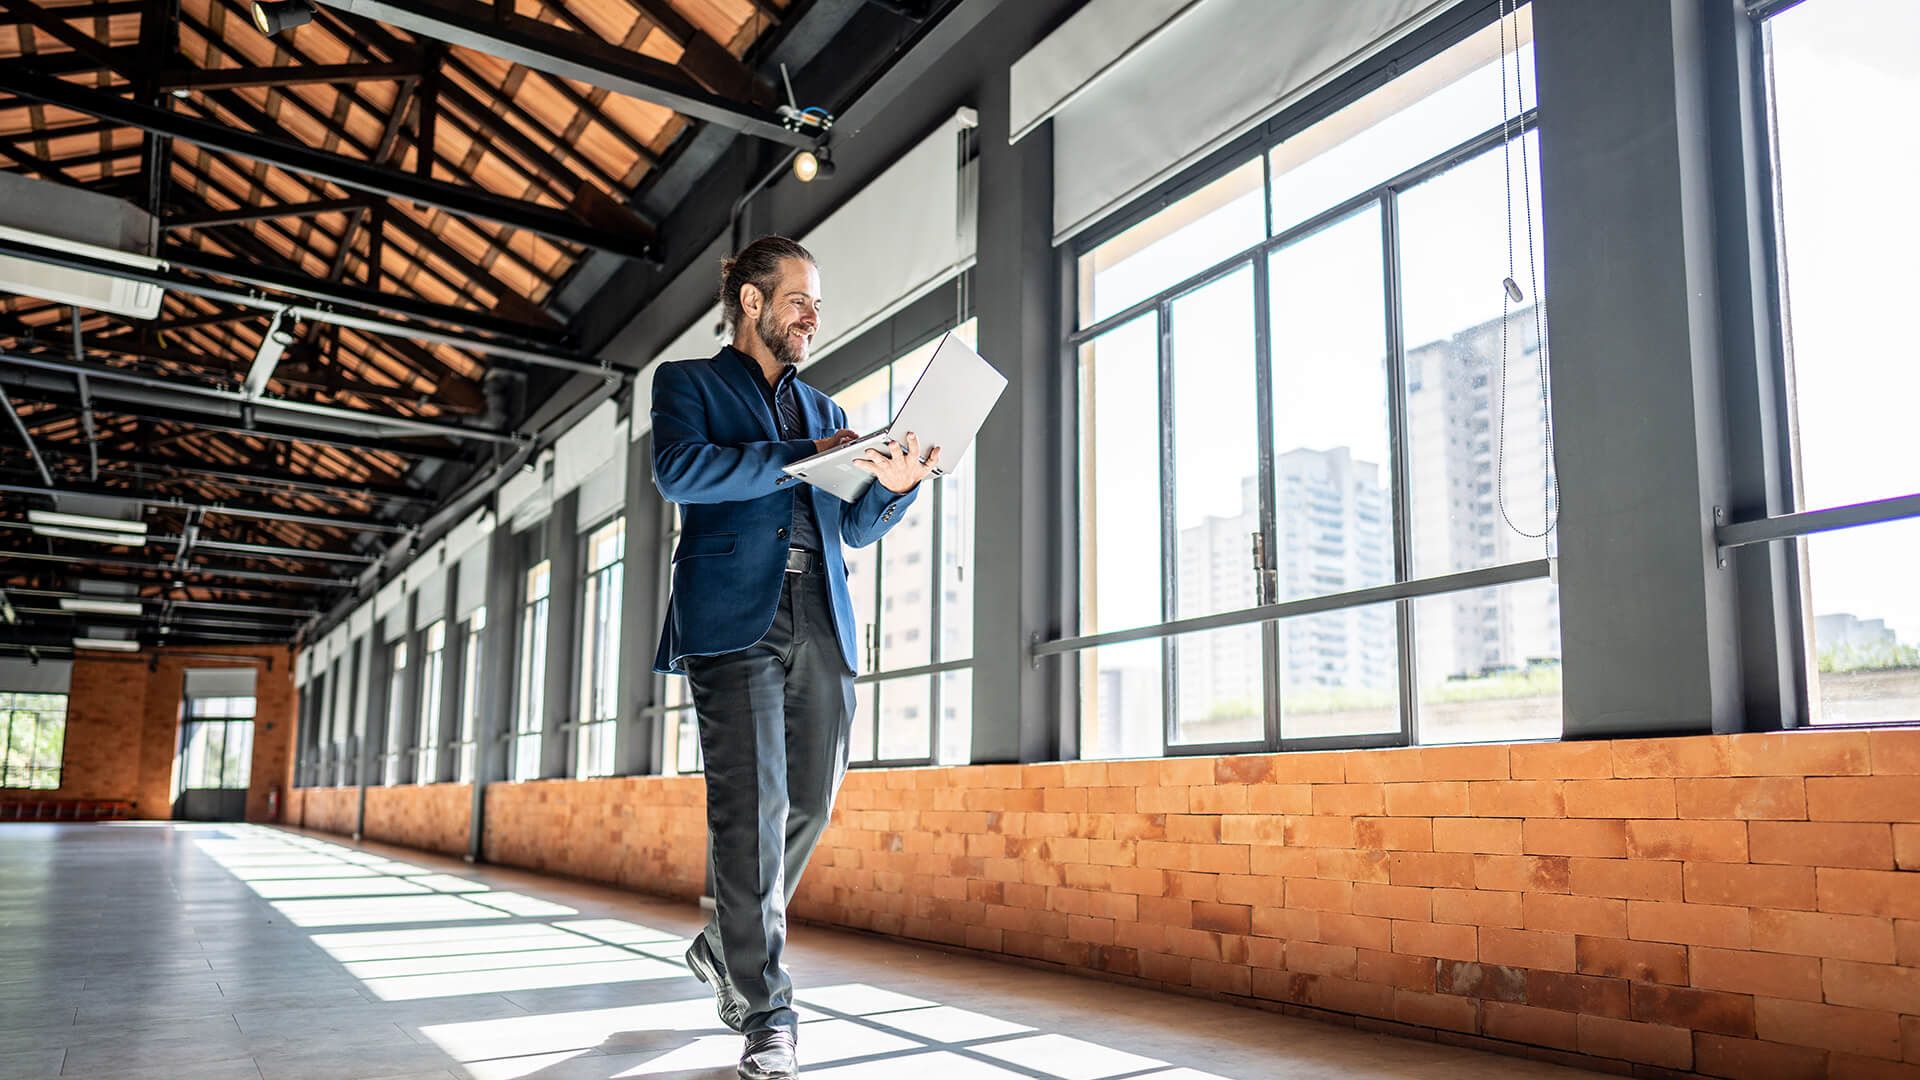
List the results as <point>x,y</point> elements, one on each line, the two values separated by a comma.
<point>49,215</point>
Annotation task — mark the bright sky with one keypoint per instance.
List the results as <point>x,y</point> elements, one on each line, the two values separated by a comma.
<point>1846,82</point>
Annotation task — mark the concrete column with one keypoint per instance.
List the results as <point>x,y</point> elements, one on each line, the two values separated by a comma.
<point>563,632</point>
<point>499,652</point>
<point>636,748</point>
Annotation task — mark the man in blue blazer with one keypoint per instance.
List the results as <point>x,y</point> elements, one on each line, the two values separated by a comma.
<point>759,618</point>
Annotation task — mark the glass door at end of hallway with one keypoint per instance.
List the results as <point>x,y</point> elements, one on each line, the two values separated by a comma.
<point>212,767</point>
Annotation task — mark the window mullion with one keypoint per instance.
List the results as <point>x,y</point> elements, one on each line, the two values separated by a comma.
<point>1169,532</point>
<point>1398,468</point>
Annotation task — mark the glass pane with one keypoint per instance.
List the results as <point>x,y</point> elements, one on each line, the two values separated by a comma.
<point>1120,701</point>
<point>956,718</point>
<point>213,759</point>
<point>1206,227</point>
<point>1865,600</point>
<point>1120,544</point>
<point>1477,456</point>
<point>956,563</point>
<point>1215,448</point>
<point>1217,686</point>
<point>1436,106</point>
<point>526,757</point>
<point>238,770</point>
<point>868,406</point>
<point>1489,663</point>
<point>906,719</point>
<point>1333,511</point>
<point>1339,673</point>
<point>864,714</point>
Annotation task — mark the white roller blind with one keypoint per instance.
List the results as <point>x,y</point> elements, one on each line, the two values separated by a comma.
<point>1071,58</point>
<point>430,600</point>
<point>389,597</point>
<point>585,447</point>
<point>527,496</point>
<point>605,489</point>
<point>471,592</point>
<point>1208,76</point>
<point>23,676</point>
<point>302,667</point>
<point>360,620</point>
<point>221,682</point>
<point>332,645</point>
<point>424,565</point>
<point>473,531</point>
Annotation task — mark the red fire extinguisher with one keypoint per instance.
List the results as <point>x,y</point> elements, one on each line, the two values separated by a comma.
<point>273,803</point>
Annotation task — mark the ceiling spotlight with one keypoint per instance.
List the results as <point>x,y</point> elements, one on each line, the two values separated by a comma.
<point>274,16</point>
<point>108,644</point>
<point>808,164</point>
<point>100,607</point>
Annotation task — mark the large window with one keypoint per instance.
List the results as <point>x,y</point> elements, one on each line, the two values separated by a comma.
<point>471,657</point>
<point>1307,378</point>
<point>33,736</point>
<point>679,723</point>
<point>600,649</point>
<point>433,657</point>
<point>217,744</point>
<point>398,725</point>
<point>529,710</point>
<point>913,599</point>
<point>1841,81</point>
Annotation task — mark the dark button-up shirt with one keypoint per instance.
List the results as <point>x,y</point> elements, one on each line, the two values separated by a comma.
<point>784,400</point>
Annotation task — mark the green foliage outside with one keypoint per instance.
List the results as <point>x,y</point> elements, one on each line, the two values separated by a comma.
<point>1877,656</point>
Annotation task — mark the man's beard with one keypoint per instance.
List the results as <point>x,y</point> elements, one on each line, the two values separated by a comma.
<point>778,342</point>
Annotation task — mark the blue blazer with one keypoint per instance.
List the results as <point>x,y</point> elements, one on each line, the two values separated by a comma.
<point>717,452</point>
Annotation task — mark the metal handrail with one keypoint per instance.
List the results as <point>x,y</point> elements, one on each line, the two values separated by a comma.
<point>1807,522</point>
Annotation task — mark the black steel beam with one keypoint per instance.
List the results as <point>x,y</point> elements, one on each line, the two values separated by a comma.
<point>580,57</point>
<point>262,213</point>
<point>179,569</point>
<point>225,507</point>
<point>636,240</point>
<point>104,9</point>
<point>190,469</point>
<point>282,75</point>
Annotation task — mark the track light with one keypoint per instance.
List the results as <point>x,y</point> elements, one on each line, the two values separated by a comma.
<point>93,606</point>
<point>275,16</point>
<point>808,164</point>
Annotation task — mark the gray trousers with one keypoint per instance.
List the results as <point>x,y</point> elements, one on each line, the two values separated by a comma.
<point>774,720</point>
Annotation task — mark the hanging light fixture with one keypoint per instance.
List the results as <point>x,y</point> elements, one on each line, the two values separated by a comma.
<point>276,16</point>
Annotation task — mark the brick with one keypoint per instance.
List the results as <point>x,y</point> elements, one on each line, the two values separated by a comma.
<point>1393,901</point>
<point>1166,911</point>
<point>1193,829</point>
<point>1222,918</point>
<point>1863,798</point>
<point>1436,869</point>
<point>1296,987</point>
<point>1652,798</point>
<point>1752,1059</point>
<point>1222,858</point>
<point>1360,931</point>
<point>1801,753</point>
<point>1138,881</point>
<point>1317,894</point>
<point>1318,958</point>
<point>1865,938</point>
<point>1497,982</point>
<point>1628,1040</point>
<point>1476,907</point>
<point>1575,914</point>
<point>1393,834</point>
<point>1280,799</point>
<point>1688,924</point>
<point>1527,1024</point>
<point>1223,977</point>
<point>1354,996</point>
<point>1698,1010</point>
<point>1253,829</point>
<point>1218,799</point>
<point>1906,936</point>
<point>1088,929</point>
<point>1284,922</point>
<point>1243,769</point>
<point>1251,889</point>
<point>1319,767</point>
<point>1539,949</point>
<point>1395,969</point>
<point>1686,755</point>
<point>1867,1032</point>
<point>1910,1036</point>
<point>1894,893</point>
<point>1275,860</point>
<point>1885,987</point>
<point>1464,763</point>
<point>1447,942</point>
<point>1553,836</point>
<point>1906,847</point>
<point>1489,836</point>
<point>1352,865</point>
<point>1743,885</point>
<point>1440,798</point>
<point>1773,798</point>
<point>1162,800</point>
<point>1436,1010</point>
<point>1638,961</point>
<point>1895,751</point>
<point>1517,798</point>
<point>1692,841</point>
<point>1188,885</point>
<point>1327,832</point>
<point>1842,1066</point>
<point>1561,760</point>
<point>1334,800</point>
<point>1864,846</point>
<point>1627,879</point>
<point>1522,873</point>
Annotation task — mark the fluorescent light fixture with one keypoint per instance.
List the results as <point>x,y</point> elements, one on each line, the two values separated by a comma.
<point>86,521</point>
<point>100,607</point>
<point>118,538</point>
<point>108,644</point>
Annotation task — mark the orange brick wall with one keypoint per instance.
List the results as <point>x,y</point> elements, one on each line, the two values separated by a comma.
<point>329,809</point>
<point>1740,906</point>
<point>432,817</point>
<point>123,722</point>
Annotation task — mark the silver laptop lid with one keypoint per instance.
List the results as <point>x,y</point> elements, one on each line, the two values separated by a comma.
<point>949,402</point>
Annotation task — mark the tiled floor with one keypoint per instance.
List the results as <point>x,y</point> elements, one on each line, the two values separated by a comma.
<point>208,952</point>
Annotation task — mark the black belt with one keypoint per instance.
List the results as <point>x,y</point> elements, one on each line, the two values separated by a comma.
<point>802,561</point>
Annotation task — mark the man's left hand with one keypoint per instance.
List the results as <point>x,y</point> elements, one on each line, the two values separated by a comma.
<point>899,467</point>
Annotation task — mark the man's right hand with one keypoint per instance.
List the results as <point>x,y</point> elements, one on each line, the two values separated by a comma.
<point>834,441</point>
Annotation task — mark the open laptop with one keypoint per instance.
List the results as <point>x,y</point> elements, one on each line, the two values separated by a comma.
<point>945,408</point>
